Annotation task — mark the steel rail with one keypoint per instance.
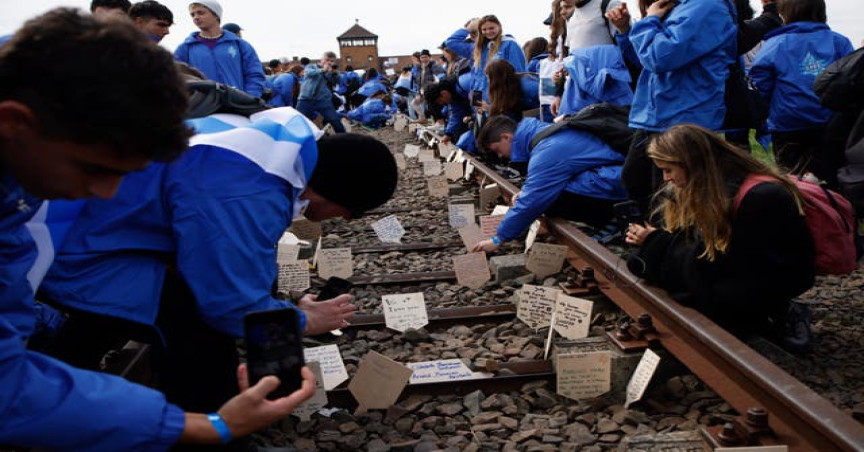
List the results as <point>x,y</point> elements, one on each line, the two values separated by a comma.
<point>799,417</point>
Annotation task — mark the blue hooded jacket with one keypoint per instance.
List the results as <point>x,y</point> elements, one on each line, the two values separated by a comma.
<point>315,84</point>
<point>46,403</point>
<point>283,90</point>
<point>786,67</point>
<point>216,212</point>
<point>509,50</point>
<point>371,87</point>
<point>569,160</point>
<point>685,60</point>
<point>459,107</point>
<point>372,112</point>
<point>530,84</point>
<point>232,61</point>
<point>597,74</point>
<point>534,64</point>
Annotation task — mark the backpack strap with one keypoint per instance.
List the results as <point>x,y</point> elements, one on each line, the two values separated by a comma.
<point>604,5</point>
<point>548,131</point>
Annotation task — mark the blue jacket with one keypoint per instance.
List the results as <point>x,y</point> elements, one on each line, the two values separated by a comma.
<point>371,87</point>
<point>509,50</point>
<point>459,107</point>
<point>685,60</point>
<point>530,84</point>
<point>534,64</point>
<point>314,86</point>
<point>216,213</point>
<point>372,112</point>
<point>787,65</point>
<point>283,90</point>
<point>570,160</point>
<point>597,74</point>
<point>233,62</point>
<point>45,403</point>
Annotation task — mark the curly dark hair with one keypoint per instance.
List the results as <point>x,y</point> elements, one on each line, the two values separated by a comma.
<point>97,82</point>
<point>122,4</point>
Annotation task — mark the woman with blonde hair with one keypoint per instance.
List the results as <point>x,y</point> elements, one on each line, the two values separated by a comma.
<point>483,41</point>
<point>740,265</point>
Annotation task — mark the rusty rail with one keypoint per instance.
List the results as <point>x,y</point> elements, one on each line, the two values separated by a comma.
<point>799,417</point>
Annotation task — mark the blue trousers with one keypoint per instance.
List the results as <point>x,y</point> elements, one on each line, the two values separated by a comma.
<point>324,108</point>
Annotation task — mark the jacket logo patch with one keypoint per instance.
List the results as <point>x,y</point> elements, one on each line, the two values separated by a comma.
<point>812,66</point>
<point>232,51</point>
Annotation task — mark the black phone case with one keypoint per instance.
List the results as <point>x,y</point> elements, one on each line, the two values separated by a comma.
<point>274,347</point>
<point>335,286</point>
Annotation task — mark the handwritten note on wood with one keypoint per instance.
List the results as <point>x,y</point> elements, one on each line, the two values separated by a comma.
<point>461,215</point>
<point>532,234</point>
<point>431,168</point>
<point>428,155</point>
<point>536,304</point>
<point>472,269</point>
<point>442,371</point>
<point>545,259</point>
<point>285,254</point>
<point>318,400</point>
<point>583,375</point>
<point>336,262</point>
<point>305,229</point>
<point>411,151</point>
<point>489,195</point>
<point>572,316</point>
<point>641,377</point>
<point>400,123</point>
<point>438,186</point>
<point>388,229</point>
<point>489,224</point>
<point>332,366</point>
<point>470,235</point>
<point>404,310</point>
<point>293,276</point>
<point>378,382</point>
<point>469,171</point>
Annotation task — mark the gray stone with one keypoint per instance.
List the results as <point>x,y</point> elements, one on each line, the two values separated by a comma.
<point>507,266</point>
<point>404,424</point>
<point>486,417</point>
<point>508,422</point>
<point>449,409</point>
<point>472,402</point>
<point>426,446</point>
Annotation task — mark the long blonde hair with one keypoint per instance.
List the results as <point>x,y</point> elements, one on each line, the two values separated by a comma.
<point>704,201</point>
<point>483,42</point>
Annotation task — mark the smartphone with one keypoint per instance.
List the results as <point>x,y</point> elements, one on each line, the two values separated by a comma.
<point>628,212</point>
<point>274,347</point>
<point>334,287</point>
<point>477,98</point>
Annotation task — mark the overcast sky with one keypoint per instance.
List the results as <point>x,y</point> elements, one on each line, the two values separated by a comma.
<point>278,28</point>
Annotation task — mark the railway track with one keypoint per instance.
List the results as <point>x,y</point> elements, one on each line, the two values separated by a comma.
<point>796,415</point>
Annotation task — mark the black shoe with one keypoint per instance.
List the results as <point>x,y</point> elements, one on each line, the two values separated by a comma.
<point>794,328</point>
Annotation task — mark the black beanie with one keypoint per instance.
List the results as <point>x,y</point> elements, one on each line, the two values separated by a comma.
<point>354,171</point>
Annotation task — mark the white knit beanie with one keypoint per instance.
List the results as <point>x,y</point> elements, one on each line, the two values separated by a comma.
<point>212,5</point>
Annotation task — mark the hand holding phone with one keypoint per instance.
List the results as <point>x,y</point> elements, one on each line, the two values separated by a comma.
<point>274,347</point>
<point>334,287</point>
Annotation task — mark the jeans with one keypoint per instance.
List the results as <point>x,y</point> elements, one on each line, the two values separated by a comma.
<point>325,107</point>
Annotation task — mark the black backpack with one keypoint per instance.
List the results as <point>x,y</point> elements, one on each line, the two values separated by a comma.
<point>840,86</point>
<point>207,97</point>
<point>352,85</point>
<point>606,121</point>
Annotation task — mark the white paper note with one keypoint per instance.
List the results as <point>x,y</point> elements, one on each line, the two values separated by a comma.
<point>404,310</point>
<point>388,229</point>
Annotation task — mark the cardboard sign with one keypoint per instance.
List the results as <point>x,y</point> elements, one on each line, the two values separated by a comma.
<point>449,149</point>
<point>378,382</point>
<point>400,123</point>
<point>469,170</point>
<point>293,276</point>
<point>336,262</point>
<point>412,128</point>
<point>388,229</point>
<point>317,253</point>
<point>545,259</point>
<point>428,155</point>
<point>536,304</point>
<point>319,400</point>
<point>411,151</point>
<point>285,254</point>
<point>461,215</point>
<point>532,234</point>
<point>489,224</point>
<point>332,368</point>
<point>471,236</point>
<point>489,195</point>
<point>305,229</point>
<point>453,170</point>
<point>441,371</point>
<point>438,186</point>
<point>401,163</point>
<point>583,375</point>
<point>572,317</point>
<point>472,270</point>
<point>500,210</point>
<point>641,377</point>
<point>431,168</point>
<point>404,310</point>
<point>460,156</point>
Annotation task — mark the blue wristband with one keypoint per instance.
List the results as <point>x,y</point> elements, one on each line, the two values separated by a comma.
<point>221,427</point>
<point>495,240</point>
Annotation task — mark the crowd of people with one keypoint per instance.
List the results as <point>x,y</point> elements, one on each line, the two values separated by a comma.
<point>178,253</point>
